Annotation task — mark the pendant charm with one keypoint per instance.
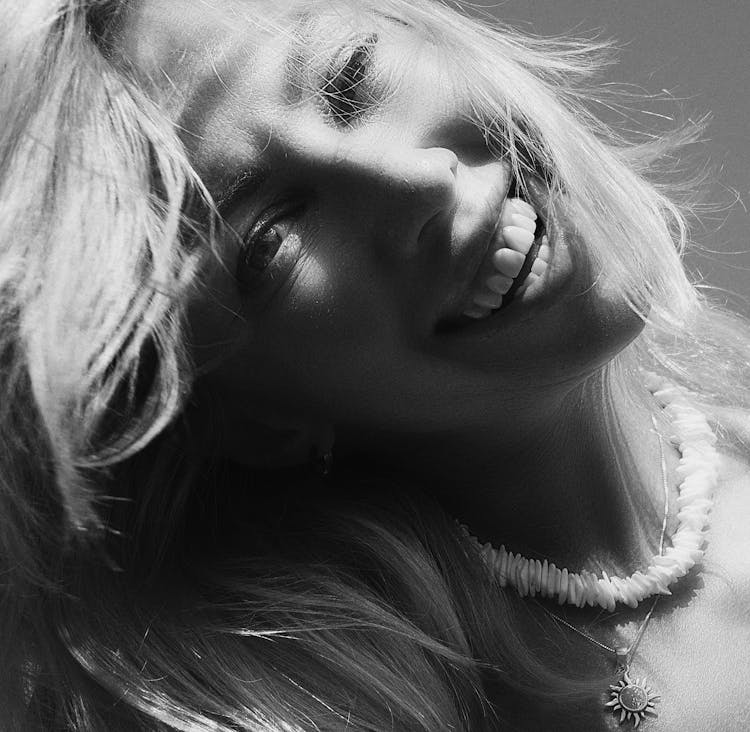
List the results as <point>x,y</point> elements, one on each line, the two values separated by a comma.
<point>633,699</point>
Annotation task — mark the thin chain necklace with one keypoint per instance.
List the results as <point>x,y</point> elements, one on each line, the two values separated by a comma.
<point>698,467</point>
<point>631,697</point>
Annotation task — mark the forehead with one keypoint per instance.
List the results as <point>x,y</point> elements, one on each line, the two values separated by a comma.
<point>218,67</point>
<point>177,45</point>
<point>199,60</point>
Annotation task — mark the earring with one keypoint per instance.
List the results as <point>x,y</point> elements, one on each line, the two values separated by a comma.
<point>321,461</point>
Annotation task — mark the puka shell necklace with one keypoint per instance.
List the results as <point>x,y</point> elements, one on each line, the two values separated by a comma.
<point>698,469</point>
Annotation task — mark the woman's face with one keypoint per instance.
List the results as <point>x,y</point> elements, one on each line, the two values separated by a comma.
<point>365,210</point>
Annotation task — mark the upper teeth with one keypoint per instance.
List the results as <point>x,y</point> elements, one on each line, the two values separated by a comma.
<point>513,239</point>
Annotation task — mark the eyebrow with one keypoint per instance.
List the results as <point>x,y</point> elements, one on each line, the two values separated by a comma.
<point>244,185</point>
<point>299,55</point>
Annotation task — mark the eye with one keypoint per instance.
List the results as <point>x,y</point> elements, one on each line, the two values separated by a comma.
<point>345,91</point>
<point>264,241</point>
<point>263,249</point>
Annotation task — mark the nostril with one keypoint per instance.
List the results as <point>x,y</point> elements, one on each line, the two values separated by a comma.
<point>444,158</point>
<point>438,177</point>
<point>421,184</point>
<point>453,162</point>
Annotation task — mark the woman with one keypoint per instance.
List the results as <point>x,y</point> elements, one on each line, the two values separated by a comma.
<point>238,233</point>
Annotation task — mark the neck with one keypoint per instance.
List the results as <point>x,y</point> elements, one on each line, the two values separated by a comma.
<point>572,485</point>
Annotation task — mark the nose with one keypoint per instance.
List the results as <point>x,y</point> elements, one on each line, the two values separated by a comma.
<point>426,176</point>
<point>402,188</point>
<point>419,190</point>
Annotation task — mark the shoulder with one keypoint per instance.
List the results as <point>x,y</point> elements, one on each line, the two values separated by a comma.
<point>733,429</point>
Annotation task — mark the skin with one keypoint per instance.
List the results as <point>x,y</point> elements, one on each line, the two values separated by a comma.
<point>342,336</point>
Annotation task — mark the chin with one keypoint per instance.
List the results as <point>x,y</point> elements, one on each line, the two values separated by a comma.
<point>608,328</point>
<point>563,330</point>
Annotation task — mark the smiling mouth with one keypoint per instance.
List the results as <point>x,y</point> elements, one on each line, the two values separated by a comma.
<point>517,256</point>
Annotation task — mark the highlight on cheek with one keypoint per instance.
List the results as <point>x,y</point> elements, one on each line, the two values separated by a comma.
<point>312,277</point>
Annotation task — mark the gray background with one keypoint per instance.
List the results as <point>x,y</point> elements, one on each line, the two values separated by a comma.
<point>699,52</point>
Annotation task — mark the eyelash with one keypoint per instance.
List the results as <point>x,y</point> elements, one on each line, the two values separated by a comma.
<point>253,259</point>
<point>343,89</point>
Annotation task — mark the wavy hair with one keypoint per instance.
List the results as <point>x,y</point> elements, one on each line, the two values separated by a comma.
<point>130,597</point>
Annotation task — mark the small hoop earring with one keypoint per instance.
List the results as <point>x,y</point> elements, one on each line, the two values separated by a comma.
<point>321,461</point>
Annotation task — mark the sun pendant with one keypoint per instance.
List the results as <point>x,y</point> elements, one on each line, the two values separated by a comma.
<point>633,699</point>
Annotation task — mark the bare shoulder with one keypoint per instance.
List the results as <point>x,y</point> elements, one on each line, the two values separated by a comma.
<point>729,534</point>
<point>734,486</point>
<point>736,421</point>
<point>697,651</point>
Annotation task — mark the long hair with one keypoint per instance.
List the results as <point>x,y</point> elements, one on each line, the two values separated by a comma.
<point>131,597</point>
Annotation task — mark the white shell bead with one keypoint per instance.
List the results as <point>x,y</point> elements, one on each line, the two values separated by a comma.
<point>563,593</point>
<point>523,577</point>
<point>538,575</point>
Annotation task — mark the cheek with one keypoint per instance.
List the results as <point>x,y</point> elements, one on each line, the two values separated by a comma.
<point>323,338</point>
<point>314,344</point>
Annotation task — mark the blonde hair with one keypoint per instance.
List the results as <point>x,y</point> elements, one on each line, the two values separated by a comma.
<point>352,614</point>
